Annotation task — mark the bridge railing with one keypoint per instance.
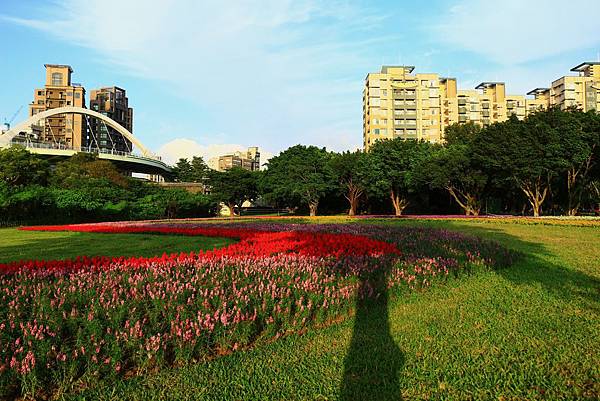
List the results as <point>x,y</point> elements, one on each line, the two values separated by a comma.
<point>85,149</point>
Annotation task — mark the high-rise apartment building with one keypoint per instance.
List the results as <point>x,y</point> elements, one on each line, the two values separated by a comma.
<point>398,103</point>
<point>59,91</point>
<point>113,103</point>
<point>581,91</point>
<point>249,160</point>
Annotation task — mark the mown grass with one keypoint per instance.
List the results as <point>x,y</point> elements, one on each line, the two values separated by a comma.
<point>528,332</point>
<point>24,245</point>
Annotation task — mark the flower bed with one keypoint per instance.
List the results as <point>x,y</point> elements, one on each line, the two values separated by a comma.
<point>63,320</point>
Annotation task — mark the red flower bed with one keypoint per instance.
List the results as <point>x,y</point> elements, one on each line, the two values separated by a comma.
<point>61,321</point>
<point>252,243</point>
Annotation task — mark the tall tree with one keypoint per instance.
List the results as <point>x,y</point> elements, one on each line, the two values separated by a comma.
<point>462,133</point>
<point>580,140</point>
<point>527,153</point>
<point>392,169</point>
<point>200,170</point>
<point>349,168</point>
<point>18,167</point>
<point>452,168</point>
<point>233,187</point>
<point>300,174</point>
<point>183,170</point>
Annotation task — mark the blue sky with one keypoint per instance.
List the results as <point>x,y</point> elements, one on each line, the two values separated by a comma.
<point>206,77</point>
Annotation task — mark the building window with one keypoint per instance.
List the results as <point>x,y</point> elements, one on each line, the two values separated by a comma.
<point>56,79</point>
<point>77,95</point>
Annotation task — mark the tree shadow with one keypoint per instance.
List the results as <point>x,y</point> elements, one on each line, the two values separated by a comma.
<point>374,360</point>
<point>534,265</point>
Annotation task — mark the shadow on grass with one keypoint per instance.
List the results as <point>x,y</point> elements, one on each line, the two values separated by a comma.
<point>374,360</point>
<point>534,266</point>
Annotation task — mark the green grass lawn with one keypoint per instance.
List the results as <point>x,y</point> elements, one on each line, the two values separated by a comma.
<point>528,332</point>
<point>19,245</point>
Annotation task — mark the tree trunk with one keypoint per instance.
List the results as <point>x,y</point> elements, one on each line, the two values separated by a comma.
<point>353,196</point>
<point>231,207</point>
<point>468,202</point>
<point>312,206</point>
<point>399,203</point>
<point>573,202</point>
<point>575,191</point>
<point>536,193</point>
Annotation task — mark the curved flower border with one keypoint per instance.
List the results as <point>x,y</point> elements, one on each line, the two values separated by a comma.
<point>65,320</point>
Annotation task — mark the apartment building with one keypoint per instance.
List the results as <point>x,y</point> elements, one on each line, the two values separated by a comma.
<point>581,91</point>
<point>398,103</point>
<point>249,160</point>
<point>113,103</point>
<point>59,91</point>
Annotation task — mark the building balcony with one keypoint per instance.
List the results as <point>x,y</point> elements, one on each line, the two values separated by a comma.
<point>411,95</point>
<point>405,124</point>
<point>406,106</point>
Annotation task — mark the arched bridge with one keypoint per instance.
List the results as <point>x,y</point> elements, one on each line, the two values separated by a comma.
<point>147,162</point>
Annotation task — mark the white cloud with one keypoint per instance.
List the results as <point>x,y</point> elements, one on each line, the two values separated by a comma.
<point>516,31</point>
<point>268,70</point>
<point>187,148</point>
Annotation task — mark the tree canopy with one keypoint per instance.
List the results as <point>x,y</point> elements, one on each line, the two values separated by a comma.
<point>194,171</point>
<point>349,171</point>
<point>392,169</point>
<point>234,186</point>
<point>18,167</point>
<point>299,175</point>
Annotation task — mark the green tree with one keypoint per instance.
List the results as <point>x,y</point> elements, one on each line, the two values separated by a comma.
<point>580,137</point>
<point>194,171</point>
<point>349,169</point>
<point>18,167</point>
<point>452,168</point>
<point>462,133</point>
<point>527,153</point>
<point>300,174</point>
<point>183,170</point>
<point>199,169</point>
<point>393,169</point>
<point>83,168</point>
<point>234,186</point>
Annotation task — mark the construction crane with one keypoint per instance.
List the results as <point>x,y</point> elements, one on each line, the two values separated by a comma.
<point>7,123</point>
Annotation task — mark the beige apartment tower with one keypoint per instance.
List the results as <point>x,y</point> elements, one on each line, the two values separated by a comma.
<point>65,129</point>
<point>400,104</point>
<point>580,91</point>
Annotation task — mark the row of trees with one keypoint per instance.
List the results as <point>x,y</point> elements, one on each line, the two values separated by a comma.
<point>549,161</point>
<point>84,188</point>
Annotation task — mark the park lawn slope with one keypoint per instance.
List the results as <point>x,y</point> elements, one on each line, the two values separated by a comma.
<point>531,331</point>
